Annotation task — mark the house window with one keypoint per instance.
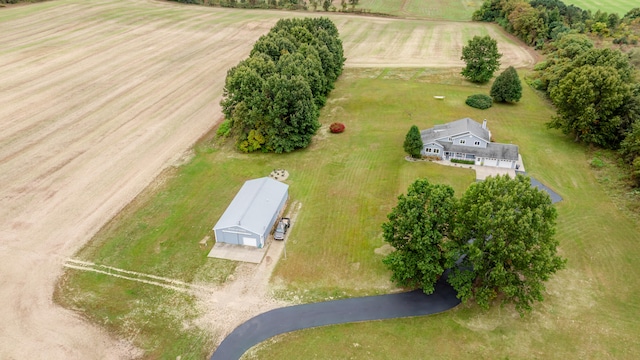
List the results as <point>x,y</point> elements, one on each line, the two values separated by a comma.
<point>437,151</point>
<point>477,143</point>
<point>462,142</point>
<point>428,150</point>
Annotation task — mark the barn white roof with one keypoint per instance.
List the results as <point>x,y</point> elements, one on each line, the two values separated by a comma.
<point>254,205</point>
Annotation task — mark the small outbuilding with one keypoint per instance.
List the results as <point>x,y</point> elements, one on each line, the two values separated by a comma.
<point>252,213</point>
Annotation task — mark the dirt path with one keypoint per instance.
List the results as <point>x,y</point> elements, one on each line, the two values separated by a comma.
<point>96,98</point>
<point>247,294</point>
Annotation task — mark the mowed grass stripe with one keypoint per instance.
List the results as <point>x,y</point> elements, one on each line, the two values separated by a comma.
<point>362,185</point>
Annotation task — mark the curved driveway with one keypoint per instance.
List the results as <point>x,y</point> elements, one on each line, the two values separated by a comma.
<point>291,318</point>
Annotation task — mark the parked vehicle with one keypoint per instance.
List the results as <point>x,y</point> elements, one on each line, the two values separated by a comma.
<point>281,228</point>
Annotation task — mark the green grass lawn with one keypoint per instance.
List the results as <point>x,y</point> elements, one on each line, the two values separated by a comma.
<point>458,10</point>
<point>618,6</point>
<point>590,308</point>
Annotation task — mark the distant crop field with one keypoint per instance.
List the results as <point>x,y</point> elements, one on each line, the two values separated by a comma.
<point>458,10</point>
<point>619,6</point>
<point>408,43</point>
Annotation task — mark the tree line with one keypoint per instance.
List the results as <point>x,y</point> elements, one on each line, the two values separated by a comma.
<point>251,4</point>
<point>596,91</point>
<point>271,100</point>
<point>537,21</point>
<point>327,5</point>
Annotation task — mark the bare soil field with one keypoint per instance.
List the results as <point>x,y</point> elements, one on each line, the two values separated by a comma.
<point>382,42</point>
<point>96,98</point>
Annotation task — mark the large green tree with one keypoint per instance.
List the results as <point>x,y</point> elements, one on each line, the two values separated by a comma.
<point>418,229</point>
<point>504,232</point>
<point>528,23</point>
<point>291,116</point>
<point>413,142</point>
<point>482,58</point>
<point>587,101</point>
<point>507,86</point>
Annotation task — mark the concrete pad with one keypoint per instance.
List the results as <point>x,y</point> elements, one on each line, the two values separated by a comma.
<point>520,164</point>
<point>482,172</point>
<point>243,253</point>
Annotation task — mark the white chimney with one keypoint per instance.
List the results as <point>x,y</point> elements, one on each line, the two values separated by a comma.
<point>484,124</point>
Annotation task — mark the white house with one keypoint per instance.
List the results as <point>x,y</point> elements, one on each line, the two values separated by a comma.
<point>466,139</point>
<point>252,213</point>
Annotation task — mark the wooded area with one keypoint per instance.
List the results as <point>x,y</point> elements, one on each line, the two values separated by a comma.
<point>596,91</point>
<point>271,99</point>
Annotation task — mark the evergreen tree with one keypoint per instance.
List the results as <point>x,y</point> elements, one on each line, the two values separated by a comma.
<point>413,142</point>
<point>507,87</point>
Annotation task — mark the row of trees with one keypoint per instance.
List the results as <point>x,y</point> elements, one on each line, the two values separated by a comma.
<point>252,4</point>
<point>497,240</point>
<point>271,4</point>
<point>271,99</point>
<point>537,21</point>
<point>596,93</point>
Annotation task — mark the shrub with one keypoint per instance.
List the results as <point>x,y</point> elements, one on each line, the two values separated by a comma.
<point>224,129</point>
<point>336,127</point>
<point>479,101</point>
<point>460,161</point>
<point>597,163</point>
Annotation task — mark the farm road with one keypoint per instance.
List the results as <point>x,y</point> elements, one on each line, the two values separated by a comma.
<point>283,320</point>
<point>96,99</point>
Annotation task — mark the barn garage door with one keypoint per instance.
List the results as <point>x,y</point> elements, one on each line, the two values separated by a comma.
<point>490,162</point>
<point>249,241</point>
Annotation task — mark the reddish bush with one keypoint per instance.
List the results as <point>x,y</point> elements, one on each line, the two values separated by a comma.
<point>336,128</point>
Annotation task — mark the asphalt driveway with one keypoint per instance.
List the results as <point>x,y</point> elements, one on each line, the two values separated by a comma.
<point>283,320</point>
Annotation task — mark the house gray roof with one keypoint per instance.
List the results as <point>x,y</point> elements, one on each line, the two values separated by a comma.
<point>455,128</point>
<point>254,205</point>
<point>464,126</point>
